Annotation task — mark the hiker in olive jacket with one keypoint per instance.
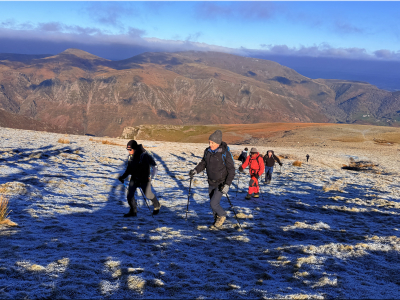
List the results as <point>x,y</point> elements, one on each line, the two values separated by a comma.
<point>220,167</point>
<point>269,161</point>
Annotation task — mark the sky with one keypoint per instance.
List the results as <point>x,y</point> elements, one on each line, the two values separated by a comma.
<point>359,30</point>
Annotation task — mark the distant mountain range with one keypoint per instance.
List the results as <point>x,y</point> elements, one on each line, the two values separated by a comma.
<point>78,92</point>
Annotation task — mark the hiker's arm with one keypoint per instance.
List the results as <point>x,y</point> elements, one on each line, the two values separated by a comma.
<point>246,162</point>
<point>262,167</point>
<point>277,159</point>
<point>126,173</point>
<point>202,165</point>
<point>230,168</point>
<point>151,160</point>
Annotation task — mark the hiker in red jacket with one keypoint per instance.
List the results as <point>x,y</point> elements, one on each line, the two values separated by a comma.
<point>256,166</point>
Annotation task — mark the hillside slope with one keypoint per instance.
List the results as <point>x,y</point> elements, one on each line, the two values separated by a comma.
<point>93,95</point>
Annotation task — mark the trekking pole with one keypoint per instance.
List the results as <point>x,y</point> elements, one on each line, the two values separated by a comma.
<point>144,198</point>
<point>259,190</point>
<point>187,207</point>
<point>233,210</point>
<point>237,185</point>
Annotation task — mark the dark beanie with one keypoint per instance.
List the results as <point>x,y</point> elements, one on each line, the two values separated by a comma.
<point>216,137</point>
<point>132,144</point>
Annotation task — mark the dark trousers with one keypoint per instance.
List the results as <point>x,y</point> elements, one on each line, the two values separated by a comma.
<point>146,188</point>
<point>268,173</point>
<point>215,197</point>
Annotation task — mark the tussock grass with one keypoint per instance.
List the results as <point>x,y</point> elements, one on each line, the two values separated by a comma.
<point>136,283</point>
<point>366,166</point>
<point>63,141</point>
<point>297,163</point>
<point>105,142</point>
<point>4,208</point>
<point>383,142</point>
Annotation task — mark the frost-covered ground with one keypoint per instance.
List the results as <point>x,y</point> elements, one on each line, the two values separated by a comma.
<point>316,232</point>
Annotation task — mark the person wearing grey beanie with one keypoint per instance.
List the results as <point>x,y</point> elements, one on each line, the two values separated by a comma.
<point>220,167</point>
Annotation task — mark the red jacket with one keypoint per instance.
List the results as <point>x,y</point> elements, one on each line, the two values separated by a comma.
<point>256,165</point>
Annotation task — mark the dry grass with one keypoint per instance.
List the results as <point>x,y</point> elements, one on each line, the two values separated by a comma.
<point>362,166</point>
<point>297,163</point>
<point>105,142</point>
<point>4,208</point>
<point>383,142</point>
<point>63,141</point>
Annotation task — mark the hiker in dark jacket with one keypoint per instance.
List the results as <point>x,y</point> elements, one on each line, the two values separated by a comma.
<point>218,162</point>
<point>139,165</point>
<point>269,161</point>
<point>243,155</point>
<point>307,156</point>
<point>256,168</point>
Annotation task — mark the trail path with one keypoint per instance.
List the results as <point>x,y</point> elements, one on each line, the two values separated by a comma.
<point>317,231</point>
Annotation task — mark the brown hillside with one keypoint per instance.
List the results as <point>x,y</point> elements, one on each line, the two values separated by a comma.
<point>78,90</point>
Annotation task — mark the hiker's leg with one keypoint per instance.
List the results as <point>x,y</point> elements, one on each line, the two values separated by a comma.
<point>131,195</point>
<point>256,186</point>
<point>271,170</point>
<point>146,187</point>
<point>252,187</point>
<point>215,199</point>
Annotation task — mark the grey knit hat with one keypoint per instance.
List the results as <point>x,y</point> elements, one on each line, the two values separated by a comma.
<point>253,150</point>
<point>216,137</point>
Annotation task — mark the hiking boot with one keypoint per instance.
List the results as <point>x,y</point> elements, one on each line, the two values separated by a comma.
<point>256,195</point>
<point>248,197</point>
<point>215,219</point>
<point>156,210</point>
<point>220,221</point>
<point>131,213</point>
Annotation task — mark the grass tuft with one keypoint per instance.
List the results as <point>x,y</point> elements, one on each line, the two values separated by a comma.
<point>63,141</point>
<point>297,163</point>
<point>4,208</point>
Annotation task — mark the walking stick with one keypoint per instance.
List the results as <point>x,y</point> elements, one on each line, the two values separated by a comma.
<point>144,198</point>
<point>259,190</point>
<point>237,185</point>
<point>187,207</point>
<point>233,210</point>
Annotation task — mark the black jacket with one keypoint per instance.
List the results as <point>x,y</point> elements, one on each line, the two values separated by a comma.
<point>217,171</point>
<point>139,165</point>
<point>270,161</point>
<point>243,156</point>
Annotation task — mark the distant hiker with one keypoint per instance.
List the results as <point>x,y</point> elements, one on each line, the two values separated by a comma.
<point>218,162</point>
<point>269,161</point>
<point>307,156</point>
<point>256,166</point>
<point>139,164</point>
<point>243,155</point>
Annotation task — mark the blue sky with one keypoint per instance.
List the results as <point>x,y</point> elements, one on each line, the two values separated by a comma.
<point>117,30</point>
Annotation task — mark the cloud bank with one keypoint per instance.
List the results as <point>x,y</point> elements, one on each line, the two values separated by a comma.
<point>55,37</point>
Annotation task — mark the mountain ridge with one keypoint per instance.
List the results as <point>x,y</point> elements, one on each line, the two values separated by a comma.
<point>76,89</point>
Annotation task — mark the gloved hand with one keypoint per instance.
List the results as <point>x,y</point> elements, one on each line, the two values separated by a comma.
<point>225,189</point>
<point>153,172</point>
<point>280,164</point>
<point>121,179</point>
<point>192,173</point>
<point>241,169</point>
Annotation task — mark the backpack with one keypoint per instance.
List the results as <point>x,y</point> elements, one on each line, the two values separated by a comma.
<point>256,159</point>
<point>223,154</point>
